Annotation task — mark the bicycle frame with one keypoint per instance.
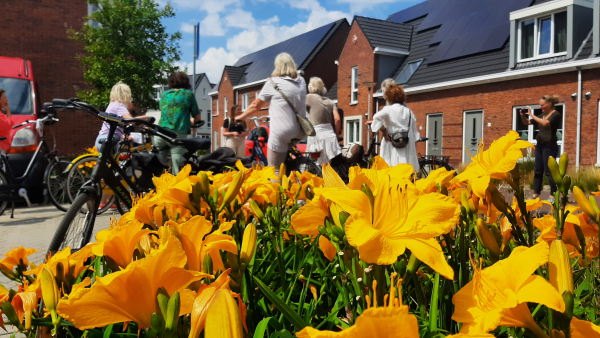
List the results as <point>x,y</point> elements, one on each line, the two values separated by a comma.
<point>257,150</point>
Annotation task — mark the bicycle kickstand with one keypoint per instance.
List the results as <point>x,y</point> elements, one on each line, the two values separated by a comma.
<point>12,210</point>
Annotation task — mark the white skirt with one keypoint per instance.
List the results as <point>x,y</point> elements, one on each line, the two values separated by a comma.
<point>325,142</point>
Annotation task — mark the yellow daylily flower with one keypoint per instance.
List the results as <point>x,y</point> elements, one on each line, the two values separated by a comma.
<point>584,329</point>
<point>3,297</point>
<point>390,320</point>
<point>498,295</point>
<point>380,170</point>
<point>205,300</point>
<point>14,257</point>
<point>130,294</point>
<point>121,242</point>
<point>495,162</point>
<point>24,303</point>
<point>476,335</point>
<point>402,218</point>
<point>438,177</point>
<point>175,189</point>
<point>223,318</point>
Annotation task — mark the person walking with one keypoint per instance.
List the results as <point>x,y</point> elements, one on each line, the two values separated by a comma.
<point>547,141</point>
<point>285,130</point>
<point>325,119</point>
<point>177,106</point>
<point>6,121</point>
<point>396,119</point>
<point>235,132</point>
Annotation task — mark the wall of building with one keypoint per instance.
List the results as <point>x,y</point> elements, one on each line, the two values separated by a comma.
<point>323,65</point>
<point>497,101</point>
<point>356,53</point>
<point>37,31</point>
<point>205,105</point>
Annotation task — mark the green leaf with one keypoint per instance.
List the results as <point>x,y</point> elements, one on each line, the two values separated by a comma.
<point>108,331</point>
<point>261,328</point>
<point>287,312</point>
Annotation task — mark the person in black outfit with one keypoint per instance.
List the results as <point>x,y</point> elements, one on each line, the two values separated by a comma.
<point>547,123</point>
<point>235,131</point>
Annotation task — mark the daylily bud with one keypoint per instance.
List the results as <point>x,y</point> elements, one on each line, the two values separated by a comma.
<point>400,267</point>
<point>566,183</point>
<point>496,232</point>
<point>323,231</point>
<point>580,237</point>
<point>584,203</point>
<point>281,171</point>
<point>564,163</point>
<point>561,275</point>
<point>594,203</point>
<point>207,265</point>
<point>162,302</point>
<point>497,199</point>
<point>472,207</point>
<point>555,171</point>
<point>338,232</point>
<point>257,212</point>
<point>156,323</point>
<point>285,182</point>
<point>464,201</point>
<point>233,189</point>
<point>205,184</point>
<point>11,314</point>
<point>215,195</point>
<point>50,294</point>
<point>223,315</point>
<point>365,188</point>
<point>487,237</point>
<point>172,315</point>
<point>7,272</point>
<point>248,244</point>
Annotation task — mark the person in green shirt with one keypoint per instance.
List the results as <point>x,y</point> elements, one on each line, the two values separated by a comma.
<point>178,107</point>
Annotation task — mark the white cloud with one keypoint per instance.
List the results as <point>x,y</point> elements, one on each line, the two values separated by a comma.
<point>240,18</point>
<point>187,28</point>
<point>212,63</point>
<point>212,25</point>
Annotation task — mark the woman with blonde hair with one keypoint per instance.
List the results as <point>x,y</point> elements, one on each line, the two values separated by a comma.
<point>397,119</point>
<point>325,119</point>
<point>285,130</point>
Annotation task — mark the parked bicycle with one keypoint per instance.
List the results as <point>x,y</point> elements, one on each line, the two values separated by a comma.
<point>44,173</point>
<point>295,160</point>
<point>76,227</point>
<point>429,163</point>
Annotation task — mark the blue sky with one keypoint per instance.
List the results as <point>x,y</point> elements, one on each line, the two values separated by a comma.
<point>231,29</point>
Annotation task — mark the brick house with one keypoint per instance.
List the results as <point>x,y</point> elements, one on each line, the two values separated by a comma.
<point>470,66</point>
<point>37,31</point>
<point>315,52</point>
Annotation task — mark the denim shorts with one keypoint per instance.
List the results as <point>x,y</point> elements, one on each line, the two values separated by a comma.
<point>102,138</point>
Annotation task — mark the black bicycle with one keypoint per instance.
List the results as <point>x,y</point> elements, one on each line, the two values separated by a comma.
<point>44,173</point>
<point>429,163</point>
<point>76,227</point>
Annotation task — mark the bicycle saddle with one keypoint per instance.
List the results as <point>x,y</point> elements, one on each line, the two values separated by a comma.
<point>193,144</point>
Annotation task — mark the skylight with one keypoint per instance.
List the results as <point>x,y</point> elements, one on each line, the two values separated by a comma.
<point>408,71</point>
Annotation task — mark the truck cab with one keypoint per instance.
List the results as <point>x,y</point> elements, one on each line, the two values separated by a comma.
<point>16,78</point>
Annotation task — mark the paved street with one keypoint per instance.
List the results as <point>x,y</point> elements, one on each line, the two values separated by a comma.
<point>33,228</point>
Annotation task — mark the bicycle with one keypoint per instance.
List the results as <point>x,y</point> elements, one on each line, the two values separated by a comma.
<point>429,163</point>
<point>76,227</point>
<point>295,160</point>
<point>45,171</point>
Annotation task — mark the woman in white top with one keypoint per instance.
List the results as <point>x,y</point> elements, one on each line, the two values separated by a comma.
<point>325,118</point>
<point>285,130</point>
<point>395,118</point>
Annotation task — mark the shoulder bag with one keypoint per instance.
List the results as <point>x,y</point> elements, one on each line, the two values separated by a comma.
<point>308,128</point>
<point>400,138</point>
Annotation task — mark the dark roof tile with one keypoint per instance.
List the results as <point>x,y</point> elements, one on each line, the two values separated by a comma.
<point>386,34</point>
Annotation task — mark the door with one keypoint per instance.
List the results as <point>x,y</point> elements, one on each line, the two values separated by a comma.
<point>472,134</point>
<point>434,134</point>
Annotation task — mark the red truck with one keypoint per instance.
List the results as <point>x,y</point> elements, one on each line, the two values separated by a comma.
<point>16,78</point>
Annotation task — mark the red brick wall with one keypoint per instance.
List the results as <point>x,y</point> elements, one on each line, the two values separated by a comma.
<point>359,54</point>
<point>37,31</point>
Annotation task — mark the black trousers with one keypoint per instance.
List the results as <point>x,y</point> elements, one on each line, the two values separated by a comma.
<point>543,151</point>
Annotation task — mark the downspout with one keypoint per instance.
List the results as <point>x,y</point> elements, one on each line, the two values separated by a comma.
<point>578,145</point>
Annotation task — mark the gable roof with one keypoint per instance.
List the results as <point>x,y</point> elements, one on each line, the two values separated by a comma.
<point>199,78</point>
<point>386,34</point>
<point>258,66</point>
<point>332,92</point>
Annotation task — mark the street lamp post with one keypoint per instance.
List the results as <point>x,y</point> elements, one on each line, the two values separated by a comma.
<point>368,113</point>
<point>196,52</point>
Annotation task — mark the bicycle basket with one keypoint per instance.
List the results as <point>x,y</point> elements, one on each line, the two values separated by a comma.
<point>146,166</point>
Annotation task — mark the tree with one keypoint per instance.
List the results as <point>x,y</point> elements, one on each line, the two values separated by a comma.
<point>127,42</point>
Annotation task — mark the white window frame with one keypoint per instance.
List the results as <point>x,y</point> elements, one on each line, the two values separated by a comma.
<point>208,119</point>
<point>465,126</point>
<point>536,35</point>
<point>358,118</point>
<point>225,106</point>
<point>532,140</point>
<point>354,84</point>
<point>427,131</point>
<point>245,101</point>
<point>216,140</point>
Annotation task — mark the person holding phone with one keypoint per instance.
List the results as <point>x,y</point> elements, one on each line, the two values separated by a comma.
<point>235,131</point>
<point>547,141</point>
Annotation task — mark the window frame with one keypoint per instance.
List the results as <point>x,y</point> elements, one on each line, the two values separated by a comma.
<point>536,36</point>
<point>530,137</point>
<point>217,114</point>
<point>354,84</point>
<point>216,140</point>
<point>225,106</point>
<point>245,101</point>
<point>347,119</point>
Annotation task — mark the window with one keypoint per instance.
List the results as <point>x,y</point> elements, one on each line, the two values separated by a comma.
<point>245,99</point>
<point>352,129</point>
<point>225,105</point>
<point>354,98</point>
<point>204,92</point>
<point>408,71</point>
<point>529,132</point>
<point>543,37</point>
<point>208,119</point>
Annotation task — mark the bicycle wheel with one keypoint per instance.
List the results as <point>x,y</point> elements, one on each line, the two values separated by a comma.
<point>73,227</point>
<point>56,185</point>
<point>429,165</point>
<point>3,180</point>
<point>81,173</point>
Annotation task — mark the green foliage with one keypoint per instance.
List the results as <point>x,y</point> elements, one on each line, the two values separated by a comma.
<point>128,44</point>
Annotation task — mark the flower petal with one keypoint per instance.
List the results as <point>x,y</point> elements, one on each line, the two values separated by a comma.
<point>430,252</point>
<point>537,290</point>
<point>373,246</point>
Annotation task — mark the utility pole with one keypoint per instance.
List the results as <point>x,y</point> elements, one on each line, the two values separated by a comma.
<point>196,52</point>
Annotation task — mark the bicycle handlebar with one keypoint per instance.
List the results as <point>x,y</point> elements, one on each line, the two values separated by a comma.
<point>42,120</point>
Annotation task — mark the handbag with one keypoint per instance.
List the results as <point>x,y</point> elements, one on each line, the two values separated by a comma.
<point>400,138</point>
<point>308,128</point>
